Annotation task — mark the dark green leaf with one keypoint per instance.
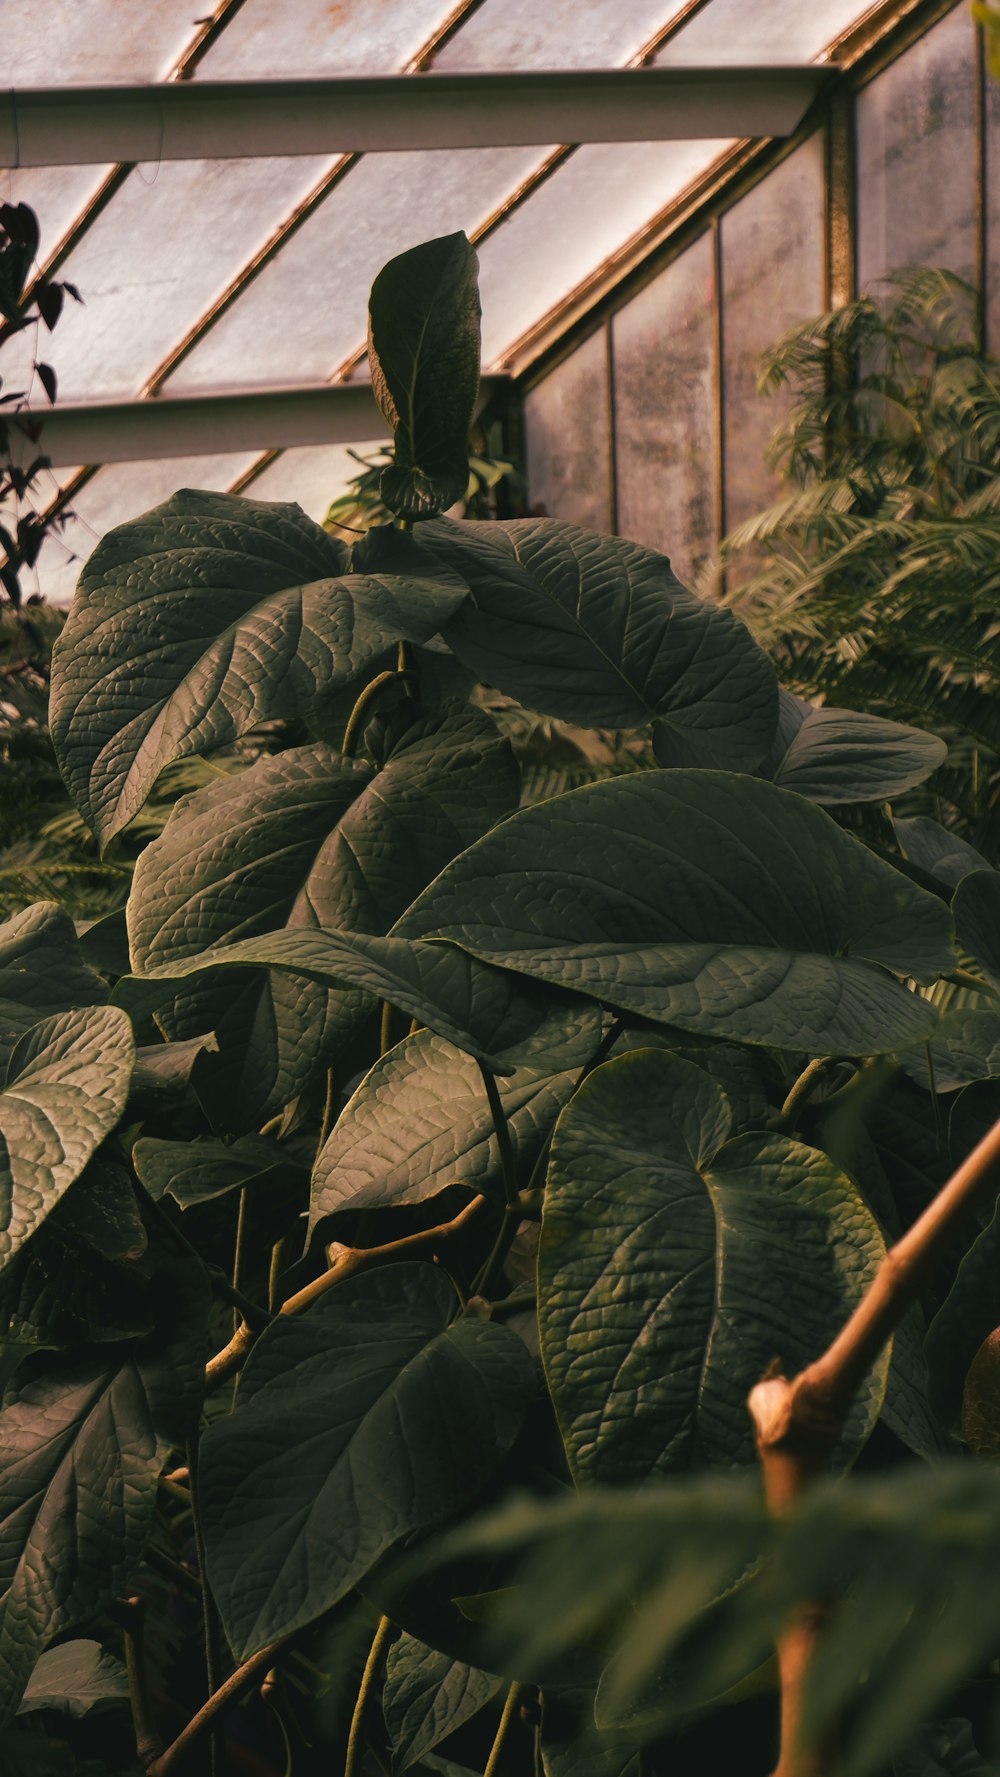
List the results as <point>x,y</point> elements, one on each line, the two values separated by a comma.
<point>934,849</point>
<point>970,1311</point>
<point>946,1750</point>
<point>964,1047</point>
<point>423,348</point>
<point>82,1441</point>
<point>427,1696</point>
<point>675,1266</point>
<point>848,756</point>
<point>195,1171</point>
<point>600,631</point>
<point>41,971</point>
<point>216,613</point>
<point>77,1678</point>
<point>362,1420</point>
<point>420,1120</point>
<point>26,1754</point>
<point>67,1085</point>
<point>571,1744</point>
<point>711,901</point>
<point>481,1009</point>
<point>976,907</point>
<point>242,856</point>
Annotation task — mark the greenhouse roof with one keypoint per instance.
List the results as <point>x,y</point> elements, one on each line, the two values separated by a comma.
<point>223,190</point>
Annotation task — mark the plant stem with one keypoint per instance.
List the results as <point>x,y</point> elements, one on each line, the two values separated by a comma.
<point>148,1744</point>
<point>361,708</point>
<point>233,1356</point>
<point>496,1751</point>
<point>240,1243</point>
<point>501,1130</point>
<point>210,1627</point>
<point>329,1104</point>
<point>382,1635</point>
<point>798,1423</point>
<point>228,1693</point>
<point>385,1030</point>
<point>801,1091</point>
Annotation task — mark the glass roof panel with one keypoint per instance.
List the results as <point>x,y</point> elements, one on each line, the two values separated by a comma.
<point>731,33</point>
<point>92,42</point>
<point>165,247</point>
<point>506,34</point>
<point>311,475</point>
<point>119,492</point>
<point>595,202</point>
<point>268,42</point>
<point>308,309</point>
<point>56,194</point>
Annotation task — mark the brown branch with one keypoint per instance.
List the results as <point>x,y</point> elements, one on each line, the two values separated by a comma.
<point>228,1693</point>
<point>352,1259</point>
<point>799,1423</point>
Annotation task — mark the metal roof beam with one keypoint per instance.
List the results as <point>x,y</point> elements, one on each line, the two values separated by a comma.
<point>204,120</point>
<point>201,425</point>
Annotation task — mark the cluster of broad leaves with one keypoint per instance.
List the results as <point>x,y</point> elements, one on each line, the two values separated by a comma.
<point>527,1068</point>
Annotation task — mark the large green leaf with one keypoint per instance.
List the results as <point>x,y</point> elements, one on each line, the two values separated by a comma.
<point>676,1265</point>
<point>76,1678</point>
<point>427,1696</point>
<point>976,907</point>
<point>67,1085</point>
<point>196,1171</point>
<point>42,971</point>
<point>245,855</point>
<point>423,348</point>
<point>839,756</point>
<point>205,616</point>
<point>305,839</point>
<point>82,1442</point>
<point>933,848</point>
<point>481,1009</point>
<point>84,1274</point>
<point>707,900</point>
<point>420,1121</point>
<point>372,1415</point>
<point>600,631</point>
<point>968,1314</point>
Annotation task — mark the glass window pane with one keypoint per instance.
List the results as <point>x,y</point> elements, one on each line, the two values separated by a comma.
<point>56,194</point>
<point>917,156</point>
<point>568,439</point>
<point>93,42</point>
<point>665,413</point>
<point>115,494</point>
<point>308,309</point>
<point>561,34</point>
<point>589,208</point>
<point>162,251</point>
<point>772,277</point>
<point>311,475</point>
<point>768,31</point>
<point>313,38</point>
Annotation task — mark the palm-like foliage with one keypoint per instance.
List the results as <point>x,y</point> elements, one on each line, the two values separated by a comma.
<point>875,580</point>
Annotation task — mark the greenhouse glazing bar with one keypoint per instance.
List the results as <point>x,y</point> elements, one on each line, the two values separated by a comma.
<point>236,120</point>
<point>126,431</point>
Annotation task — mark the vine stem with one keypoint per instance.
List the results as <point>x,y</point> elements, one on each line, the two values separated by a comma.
<point>131,1612</point>
<point>798,1423</point>
<point>501,1130</point>
<point>382,1634</point>
<point>227,1693</point>
<point>210,1626</point>
<point>233,1356</point>
<point>801,1091</point>
<point>496,1751</point>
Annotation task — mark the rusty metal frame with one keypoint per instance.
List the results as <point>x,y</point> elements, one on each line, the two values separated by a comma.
<point>884,33</point>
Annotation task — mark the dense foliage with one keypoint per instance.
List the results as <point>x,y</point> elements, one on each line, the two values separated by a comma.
<point>874,580</point>
<point>488,1147</point>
